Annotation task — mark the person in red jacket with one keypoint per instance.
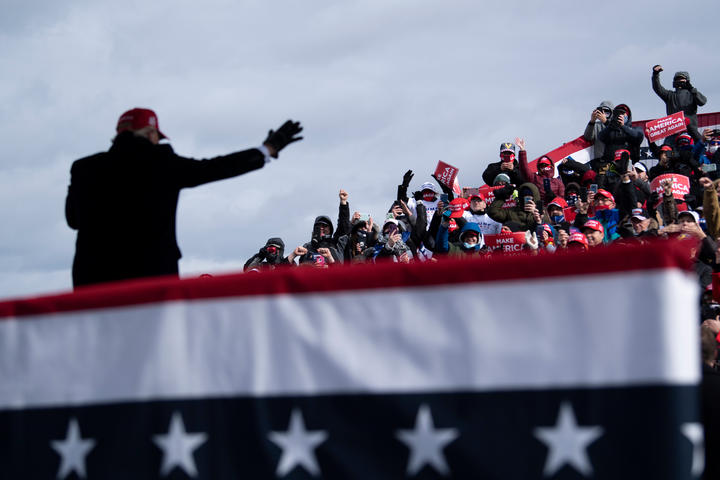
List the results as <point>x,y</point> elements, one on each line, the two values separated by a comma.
<point>544,177</point>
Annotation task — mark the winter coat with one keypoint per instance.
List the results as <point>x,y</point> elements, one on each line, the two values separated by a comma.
<point>539,179</point>
<point>593,129</point>
<point>618,137</point>
<point>457,249</point>
<point>493,170</point>
<point>680,100</point>
<point>262,260</point>
<point>572,171</point>
<point>517,213</point>
<point>336,244</point>
<point>123,204</point>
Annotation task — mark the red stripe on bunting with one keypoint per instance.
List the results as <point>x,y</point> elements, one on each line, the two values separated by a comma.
<point>304,280</point>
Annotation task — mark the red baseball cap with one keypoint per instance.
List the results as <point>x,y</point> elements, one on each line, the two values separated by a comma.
<point>579,238</point>
<point>138,118</point>
<point>457,207</point>
<point>559,202</point>
<point>606,194</point>
<point>666,148</point>
<point>594,225</point>
<point>619,154</point>
<point>477,195</point>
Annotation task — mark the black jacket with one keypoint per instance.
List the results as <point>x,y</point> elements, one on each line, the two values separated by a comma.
<point>493,170</point>
<point>681,99</point>
<point>123,204</point>
<point>616,137</point>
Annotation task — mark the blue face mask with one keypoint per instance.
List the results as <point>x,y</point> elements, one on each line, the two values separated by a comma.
<point>469,246</point>
<point>555,219</point>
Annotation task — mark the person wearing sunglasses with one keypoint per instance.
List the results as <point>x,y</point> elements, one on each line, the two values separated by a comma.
<point>599,119</point>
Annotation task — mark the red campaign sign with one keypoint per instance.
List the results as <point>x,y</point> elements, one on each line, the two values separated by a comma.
<point>508,242</point>
<point>446,174</point>
<point>680,188</point>
<point>488,193</point>
<point>664,127</point>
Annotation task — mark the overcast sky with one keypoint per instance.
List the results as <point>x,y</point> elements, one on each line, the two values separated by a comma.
<point>380,86</point>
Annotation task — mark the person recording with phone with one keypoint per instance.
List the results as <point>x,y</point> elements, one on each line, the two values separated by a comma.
<point>621,135</point>
<point>508,165</point>
<point>599,120</point>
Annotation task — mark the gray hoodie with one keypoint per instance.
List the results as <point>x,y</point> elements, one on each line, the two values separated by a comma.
<point>594,128</point>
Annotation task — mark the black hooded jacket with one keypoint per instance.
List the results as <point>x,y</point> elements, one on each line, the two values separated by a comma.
<point>336,244</point>
<point>680,100</point>
<point>617,137</point>
<point>265,260</point>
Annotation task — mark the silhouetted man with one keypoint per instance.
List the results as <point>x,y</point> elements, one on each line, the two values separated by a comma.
<point>123,202</point>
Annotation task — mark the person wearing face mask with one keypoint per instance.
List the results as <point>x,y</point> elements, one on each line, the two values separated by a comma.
<point>322,237</point>
<point>390,244</point>
<point>708,149</point>
<point>507,165</point>
<point>470,241</point>
<point>477,213</point>
<point>269,257</point>
<point>555,211</point>
<point>428,196</point>
<point>599,120</point>
<point>544,178</point>
<point>685,98</point>
<point>621,135</point>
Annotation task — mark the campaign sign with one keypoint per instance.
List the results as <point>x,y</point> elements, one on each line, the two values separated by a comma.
<point>507,242</point>
<point>664,127</point>
<point>488,192</point>
<point>446,174</point>
<point>680,188</point>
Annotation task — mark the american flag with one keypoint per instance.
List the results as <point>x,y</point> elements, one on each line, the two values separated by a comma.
<point>564,366</point>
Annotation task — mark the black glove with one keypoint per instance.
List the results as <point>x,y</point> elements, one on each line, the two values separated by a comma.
<point>418,195</point>
<point>504,193</point>
<point>284,135</point>
<point>444,187</point>
<point>407,177</point>
<point>688,85</point>
<point>262,253</point>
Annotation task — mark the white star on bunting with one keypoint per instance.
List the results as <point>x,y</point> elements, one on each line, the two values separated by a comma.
<point>694,433</point>
<point>178,447</point>
<point>426,443</point>
<point>297,446</point>
<point>567,442</point>
<point>73,451</point>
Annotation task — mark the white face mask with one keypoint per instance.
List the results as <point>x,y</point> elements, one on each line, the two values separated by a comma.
<point>712,149</point>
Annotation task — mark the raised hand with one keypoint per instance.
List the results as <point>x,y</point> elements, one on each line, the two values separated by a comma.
<point>284,136</point>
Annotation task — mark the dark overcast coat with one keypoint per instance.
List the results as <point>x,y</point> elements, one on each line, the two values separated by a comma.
<point>123,204</point>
